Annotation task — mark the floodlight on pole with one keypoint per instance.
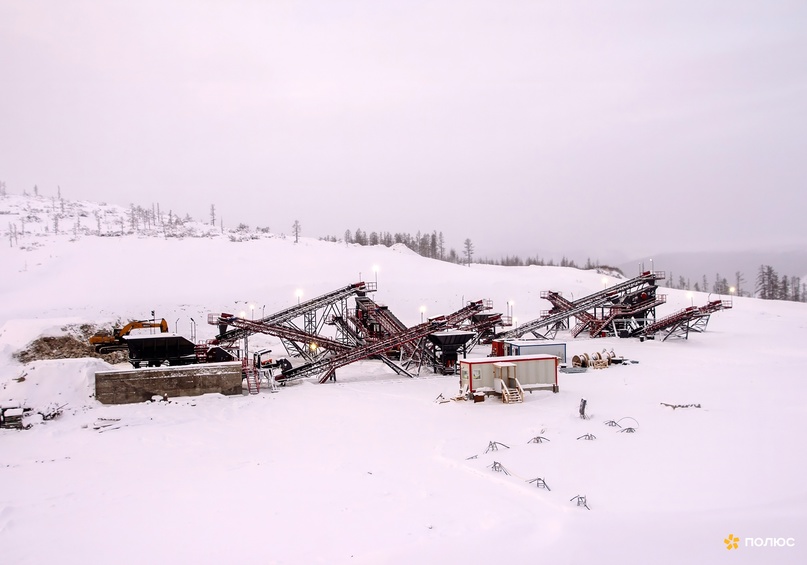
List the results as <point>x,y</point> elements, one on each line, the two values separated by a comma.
<point>252,311</point>
<point>376,268</point>
<point>422,312</point>
<point>691,299</point>
<point>299,294</point>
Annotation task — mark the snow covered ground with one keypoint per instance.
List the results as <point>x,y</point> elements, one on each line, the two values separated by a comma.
<point>371,469</point>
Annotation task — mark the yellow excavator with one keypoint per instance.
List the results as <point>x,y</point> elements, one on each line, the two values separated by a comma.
<point>115,342</point>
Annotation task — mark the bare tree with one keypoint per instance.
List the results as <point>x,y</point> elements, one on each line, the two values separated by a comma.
<point>212,214</point>
<point>295,229</point>
<point>738,281</point>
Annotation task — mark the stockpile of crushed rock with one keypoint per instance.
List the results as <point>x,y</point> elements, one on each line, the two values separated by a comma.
<point>74,344</point>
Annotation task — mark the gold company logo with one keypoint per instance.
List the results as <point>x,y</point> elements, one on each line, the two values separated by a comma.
<point>731,541</point>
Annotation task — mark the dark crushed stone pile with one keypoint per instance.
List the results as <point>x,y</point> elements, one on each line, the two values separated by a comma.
<point>71,346</point>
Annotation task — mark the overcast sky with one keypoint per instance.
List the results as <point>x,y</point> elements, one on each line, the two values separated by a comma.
<point>592,128</point>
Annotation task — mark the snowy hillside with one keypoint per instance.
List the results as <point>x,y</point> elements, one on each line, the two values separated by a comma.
<point>31,217</point>
<point>371,469</point>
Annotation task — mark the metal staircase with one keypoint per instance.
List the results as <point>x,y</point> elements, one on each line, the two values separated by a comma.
<point>250,374</point>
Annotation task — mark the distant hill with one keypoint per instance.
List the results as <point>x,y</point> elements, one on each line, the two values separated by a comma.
<point>26,221</point>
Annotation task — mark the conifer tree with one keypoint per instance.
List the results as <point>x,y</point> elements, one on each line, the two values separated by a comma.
<point>468,247</point>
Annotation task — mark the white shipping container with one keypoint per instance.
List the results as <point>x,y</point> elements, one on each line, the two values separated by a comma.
<point>535,347</point>
<point>532,371</point>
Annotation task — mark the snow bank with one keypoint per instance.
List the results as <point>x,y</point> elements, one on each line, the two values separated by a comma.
<point>43,383</point>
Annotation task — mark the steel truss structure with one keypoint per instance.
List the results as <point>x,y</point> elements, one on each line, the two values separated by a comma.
<point>315,313</point>
<point>617,310</point>
<point>679,324</point>
<point>325,368</point>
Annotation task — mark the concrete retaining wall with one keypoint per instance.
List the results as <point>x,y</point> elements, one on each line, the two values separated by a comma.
<point>139,385</point>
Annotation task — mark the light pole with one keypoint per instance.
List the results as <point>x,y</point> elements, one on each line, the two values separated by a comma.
<point>422,312</point>
<point>651,266</point>
<point>732,290</point>
<point>510,304</point>
<point>515,322</point>
<point>375,273</point>
<point>263,311</point>
<point>604,283</point>
<point>299,294</point>
<point>691,299</point>
<point>252,311</point>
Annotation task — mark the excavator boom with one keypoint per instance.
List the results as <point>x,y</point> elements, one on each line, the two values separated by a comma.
<point>115,342</point>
